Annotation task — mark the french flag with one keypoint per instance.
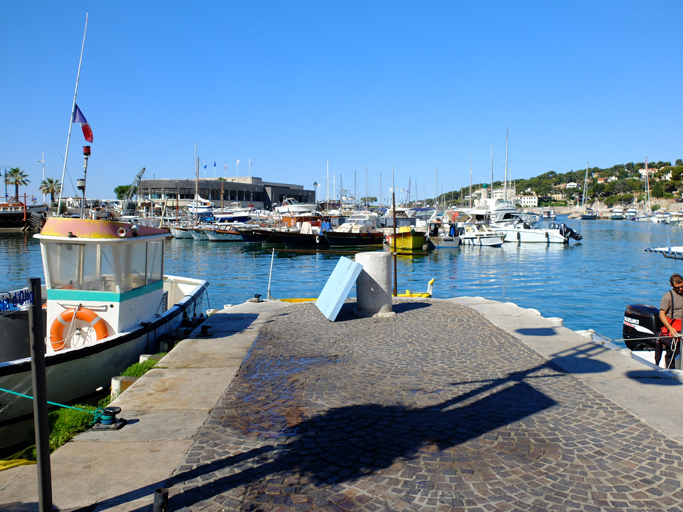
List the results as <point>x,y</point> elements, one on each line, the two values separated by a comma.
<point>80,118</point>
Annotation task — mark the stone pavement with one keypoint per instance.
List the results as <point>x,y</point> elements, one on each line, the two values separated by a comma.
<point>465,404</point>
<point>435,409</point>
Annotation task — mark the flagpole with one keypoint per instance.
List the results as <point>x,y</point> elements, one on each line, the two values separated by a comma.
<point>71,119</point>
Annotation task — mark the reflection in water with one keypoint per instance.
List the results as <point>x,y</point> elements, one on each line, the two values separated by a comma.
<point>588,283</point>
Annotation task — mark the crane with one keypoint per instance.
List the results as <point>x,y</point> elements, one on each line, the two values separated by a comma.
<point>127,205</point>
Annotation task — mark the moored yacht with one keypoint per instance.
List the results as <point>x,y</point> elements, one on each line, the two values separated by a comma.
<point>617,214</point>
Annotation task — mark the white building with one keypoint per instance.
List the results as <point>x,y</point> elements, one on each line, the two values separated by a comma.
<point>528,200</point>
<point>499,193</point>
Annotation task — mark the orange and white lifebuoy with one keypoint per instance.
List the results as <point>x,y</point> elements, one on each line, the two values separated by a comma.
<point>67,316</point>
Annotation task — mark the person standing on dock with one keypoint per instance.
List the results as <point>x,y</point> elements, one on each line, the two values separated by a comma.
<point>671,314</point>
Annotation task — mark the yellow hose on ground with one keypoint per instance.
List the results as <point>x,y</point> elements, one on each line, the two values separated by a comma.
<point>14,460</point>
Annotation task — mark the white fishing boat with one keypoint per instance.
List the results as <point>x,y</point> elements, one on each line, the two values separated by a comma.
<point>481,234</point>
<point>443,234</point>
<point>108,301</point>
<point>631,214</point>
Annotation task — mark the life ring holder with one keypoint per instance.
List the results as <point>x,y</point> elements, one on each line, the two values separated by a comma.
<point>67,317</point>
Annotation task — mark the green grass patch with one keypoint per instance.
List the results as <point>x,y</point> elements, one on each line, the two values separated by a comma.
<point>64,425</point>
<point>139,369</point>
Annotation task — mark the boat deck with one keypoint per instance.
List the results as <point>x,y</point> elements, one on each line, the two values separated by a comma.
<point>450,405</point>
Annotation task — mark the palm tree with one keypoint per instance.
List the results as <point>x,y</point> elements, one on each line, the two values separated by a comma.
<point>51,186</point>
<point>16,177</point>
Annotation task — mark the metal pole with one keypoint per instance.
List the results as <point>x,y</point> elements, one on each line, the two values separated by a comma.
<point>39,381</point>
<point>73,110</point>
<point>85,175</point>
<point>393,207</point>
<point>272,257</point>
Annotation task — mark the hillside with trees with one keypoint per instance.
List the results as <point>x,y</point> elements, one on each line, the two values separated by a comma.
<point>618,184</point>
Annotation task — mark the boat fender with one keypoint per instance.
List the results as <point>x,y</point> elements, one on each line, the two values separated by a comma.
<point>67,316</point>
<point>317,239</point>
<point>519,236</point>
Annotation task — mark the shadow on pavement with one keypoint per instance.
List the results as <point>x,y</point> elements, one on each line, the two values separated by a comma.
<point>355,441</point>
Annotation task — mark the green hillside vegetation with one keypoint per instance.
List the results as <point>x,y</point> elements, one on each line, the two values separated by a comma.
<point>625,183</point>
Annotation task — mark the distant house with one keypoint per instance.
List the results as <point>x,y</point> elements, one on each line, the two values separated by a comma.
<point>527,200</point>
<point>572,185</point>
<point>559,197</point>
<point>601,180</point>
<point>611,179</point>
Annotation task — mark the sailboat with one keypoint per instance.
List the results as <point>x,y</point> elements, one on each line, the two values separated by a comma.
<point>586,213</point>
<point>647,214</point>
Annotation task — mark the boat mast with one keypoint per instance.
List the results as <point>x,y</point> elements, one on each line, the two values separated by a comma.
<point>71,118</point>
<point>327,177</point>
<point>196,185</point>
<point>647,186</point>
<point>585,189</point>
<point>491,169</point>
<point>436,188</point>
<point>470,181</point>
<point>505,191</point>
<point>366,187</point>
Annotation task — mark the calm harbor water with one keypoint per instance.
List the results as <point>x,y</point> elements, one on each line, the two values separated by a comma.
<point>587,283</point>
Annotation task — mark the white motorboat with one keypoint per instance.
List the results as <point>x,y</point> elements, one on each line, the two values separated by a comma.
<point>494,210</point>
<point>528,232</point>
<point>617,214</point>
<point>481,234</point>
<point>548,214</point>
<point>292,206</point>
<point>631,214</point>
<point>661,218</point>
<point>107,302</point>
<point>234,213</point>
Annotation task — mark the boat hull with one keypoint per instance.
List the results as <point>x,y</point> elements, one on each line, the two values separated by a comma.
<point>337,239</point>
<point>217,235</point>
<point>445,242</point>
<point>483,241</point>
<point>299,240</point>
<point>78,372</point>
<point>261,236</point>
<point>406,241</point>
<point>541,236</point>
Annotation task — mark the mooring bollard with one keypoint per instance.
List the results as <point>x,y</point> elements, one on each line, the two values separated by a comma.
<point>160,500</point>
<point>373,286</point>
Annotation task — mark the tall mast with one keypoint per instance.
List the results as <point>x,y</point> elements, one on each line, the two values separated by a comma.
<point>71,118</point>
<point>647,185</point>
<point>436,187</point>
<point>196,185</point>
<point>42,161</point>
<point>470,181</point>
<point>491,191</point>
<point>327,177</point>
<point>366,187</point>
<point>381,201</point>
<point>507,131</point>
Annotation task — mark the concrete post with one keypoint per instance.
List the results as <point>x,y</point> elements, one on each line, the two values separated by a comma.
<point>373,286</point>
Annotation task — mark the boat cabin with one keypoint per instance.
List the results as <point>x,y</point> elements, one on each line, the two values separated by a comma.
<point>111,269</point>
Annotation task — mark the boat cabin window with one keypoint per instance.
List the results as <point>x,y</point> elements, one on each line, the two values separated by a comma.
<point>133,266</point>
<point>75,266</point>
<point>155,252</point>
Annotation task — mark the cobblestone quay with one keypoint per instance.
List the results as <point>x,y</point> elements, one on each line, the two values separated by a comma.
<point>435,409</point>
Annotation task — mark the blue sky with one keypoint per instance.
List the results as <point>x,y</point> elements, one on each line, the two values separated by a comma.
<point>420,85</point>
